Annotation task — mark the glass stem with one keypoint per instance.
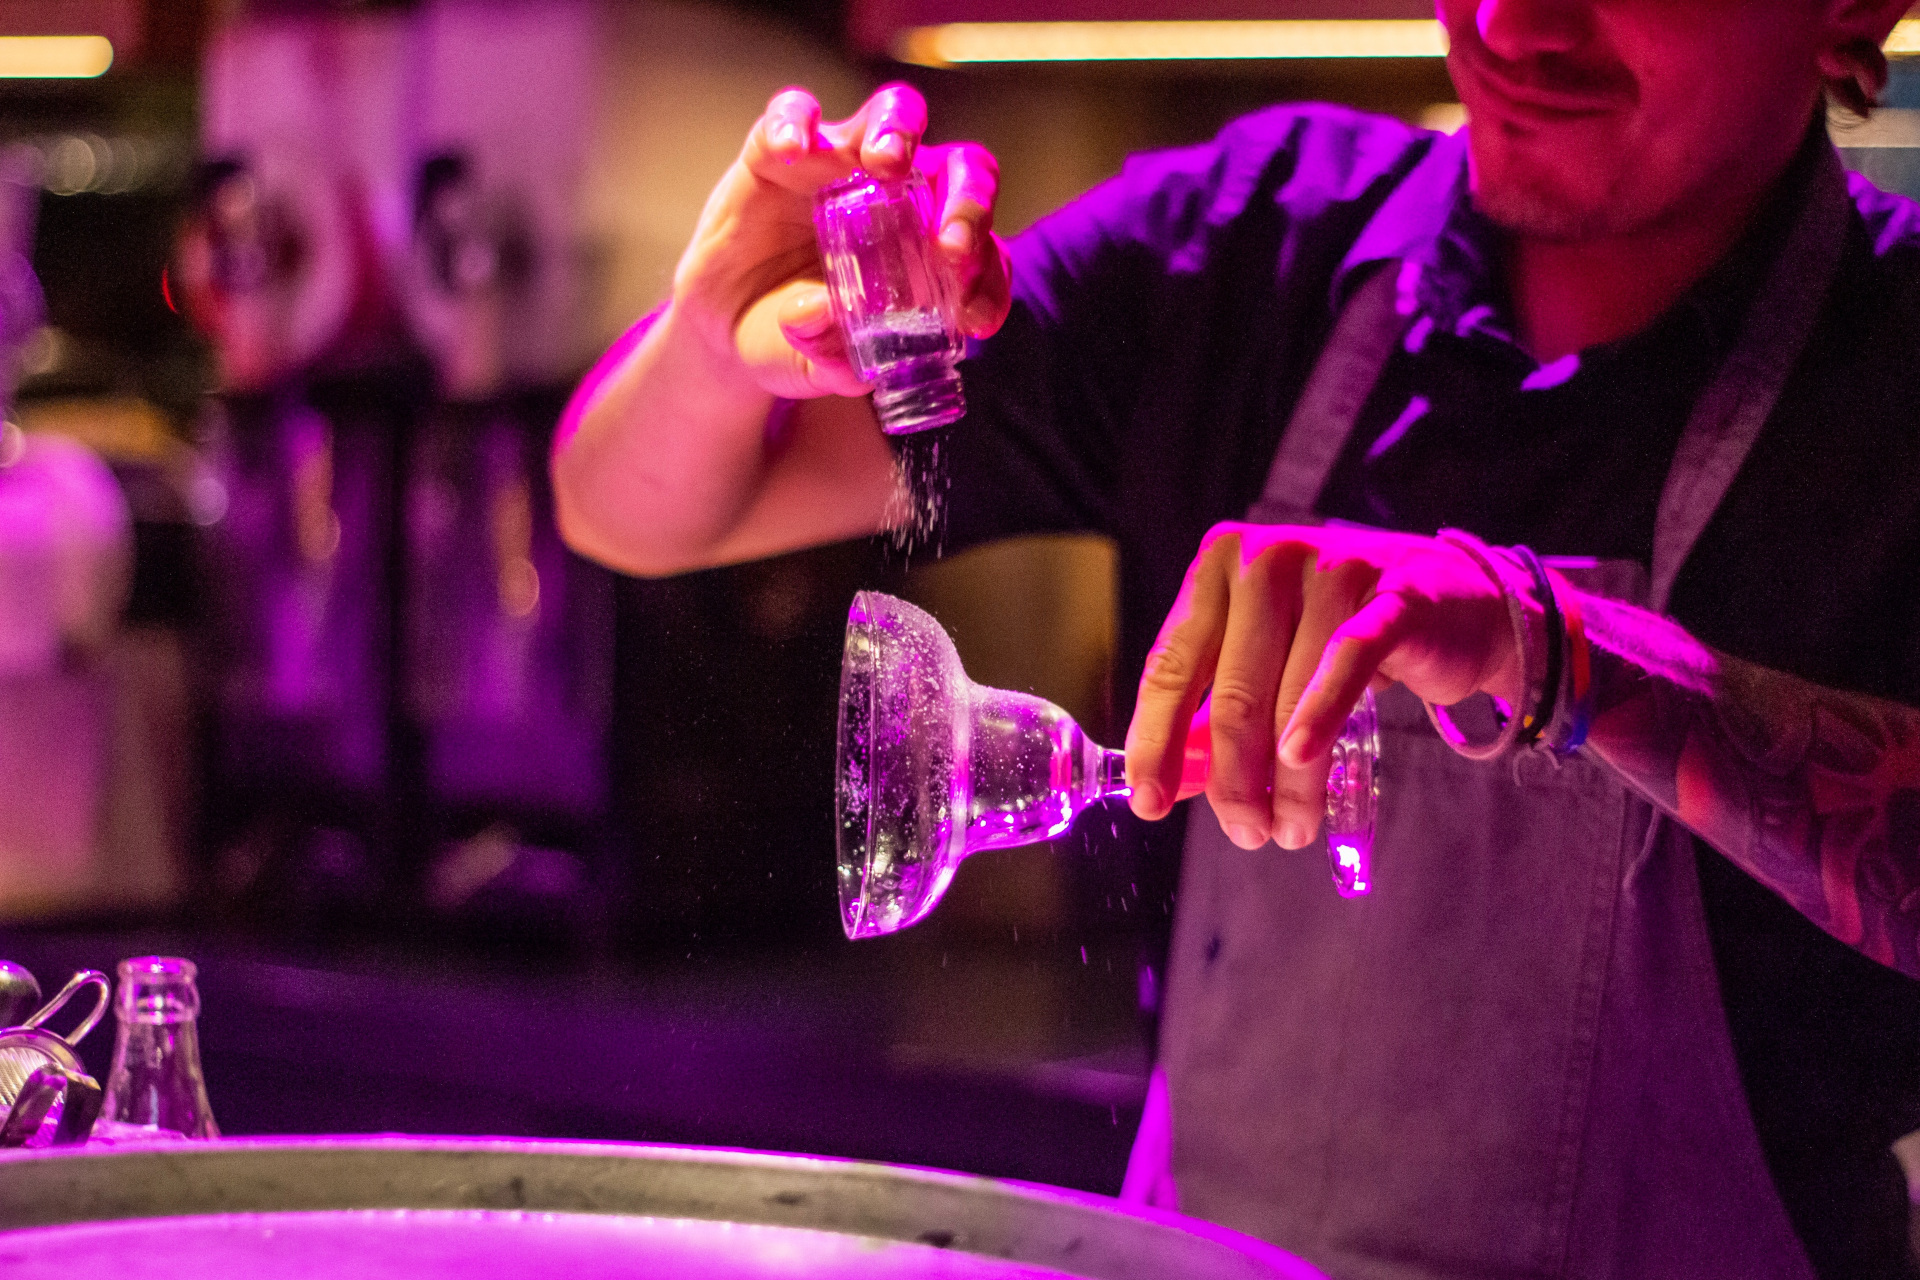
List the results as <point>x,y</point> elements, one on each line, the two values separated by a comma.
<point>1113,775</point>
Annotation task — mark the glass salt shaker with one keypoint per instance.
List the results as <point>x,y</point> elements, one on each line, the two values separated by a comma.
<point>155,1088</point>
<point>893,298</point>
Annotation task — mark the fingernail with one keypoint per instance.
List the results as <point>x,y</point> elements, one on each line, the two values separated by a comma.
<point>807,317</point>
<point>1291,835</point>
<point>1148,796</point>
<point>889,143</point>
<point>1245,837</point>
<point>1292,745</point>
<point>786,135</point>
<point>958,236</point>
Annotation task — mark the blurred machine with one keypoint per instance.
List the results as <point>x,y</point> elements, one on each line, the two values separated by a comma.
<point>413,229</point>
<point>76,829</point>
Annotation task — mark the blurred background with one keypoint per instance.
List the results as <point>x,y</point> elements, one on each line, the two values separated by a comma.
<point>468,835</point>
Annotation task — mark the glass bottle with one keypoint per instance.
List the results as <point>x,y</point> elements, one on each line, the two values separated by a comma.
<point>892,297</point>
<point>155,1088</point>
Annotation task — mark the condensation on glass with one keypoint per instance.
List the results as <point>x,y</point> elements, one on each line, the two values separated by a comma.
<point>893,298</point>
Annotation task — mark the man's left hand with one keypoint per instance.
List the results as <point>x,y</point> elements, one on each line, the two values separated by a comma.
<point>1287,626</point>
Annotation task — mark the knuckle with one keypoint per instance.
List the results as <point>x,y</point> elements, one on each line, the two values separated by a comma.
<point>1236,710</point>
<point>966,205</point>
<point>978,160</point>
<point>1168,669</point>
<point>1350,578</point>
<point>1227,531</point>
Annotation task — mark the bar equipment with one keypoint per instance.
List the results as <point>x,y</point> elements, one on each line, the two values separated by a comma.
<point>39,1069</point>
<point>892,298</point>
<point>66,559</point>
<point>931,768</point>
<point>507,673</point>
<point>19,992</point>
<point>389,1207</point>
<point>155,1087</point>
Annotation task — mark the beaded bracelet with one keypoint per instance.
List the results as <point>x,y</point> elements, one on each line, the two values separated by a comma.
<point>1532,659</point>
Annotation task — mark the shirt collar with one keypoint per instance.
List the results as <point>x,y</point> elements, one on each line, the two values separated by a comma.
<point>1449,277</point>
<point>1410,219</point>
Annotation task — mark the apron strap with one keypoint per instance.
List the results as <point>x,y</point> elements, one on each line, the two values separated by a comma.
<point>1735,407</point>
<point>1719,434</point>
<point>1329,407</point>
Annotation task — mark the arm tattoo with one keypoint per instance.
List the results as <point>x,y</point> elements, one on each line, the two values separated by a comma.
<point>1812,791</point>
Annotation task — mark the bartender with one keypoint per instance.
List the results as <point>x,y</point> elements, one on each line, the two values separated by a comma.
<point>1636,993</point>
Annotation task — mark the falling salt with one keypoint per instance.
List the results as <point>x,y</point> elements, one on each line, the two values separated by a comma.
<point>918,511</point>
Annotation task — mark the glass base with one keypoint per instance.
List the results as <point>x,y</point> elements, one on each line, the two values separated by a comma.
<point>919,399</point>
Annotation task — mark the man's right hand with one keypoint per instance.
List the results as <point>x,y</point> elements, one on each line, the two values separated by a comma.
<point>750,282</point>
<point>666,458</point>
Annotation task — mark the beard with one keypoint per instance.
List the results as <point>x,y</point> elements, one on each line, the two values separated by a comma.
<point>1537,201</point>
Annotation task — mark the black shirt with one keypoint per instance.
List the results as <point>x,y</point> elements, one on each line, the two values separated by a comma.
<point>1165,323</point>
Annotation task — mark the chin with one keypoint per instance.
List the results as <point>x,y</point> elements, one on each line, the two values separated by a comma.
<point>1540,214</point>
<point>1542,198</point>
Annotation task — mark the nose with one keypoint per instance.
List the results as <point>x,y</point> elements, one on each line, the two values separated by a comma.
<point>1515,30</point>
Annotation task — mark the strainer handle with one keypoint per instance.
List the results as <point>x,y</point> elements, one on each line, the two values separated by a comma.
<point>84,978</point>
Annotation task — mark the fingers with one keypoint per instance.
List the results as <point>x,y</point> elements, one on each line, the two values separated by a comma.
<point>790,146</point>
<point>1179,668</point>
<point>891,125</point>
<point>1333,591</point>
<point>966,181</point>
<point>1347,667</point>
<point>785,137</point>
<point>1259,632</point>
<point>807,322</point>
<point>790,339</point>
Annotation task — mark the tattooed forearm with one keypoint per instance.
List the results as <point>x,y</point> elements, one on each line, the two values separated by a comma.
<point>1814,792</point>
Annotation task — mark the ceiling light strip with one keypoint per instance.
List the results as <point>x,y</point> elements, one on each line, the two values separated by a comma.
<point>969,42</point>
<point>54,57</point>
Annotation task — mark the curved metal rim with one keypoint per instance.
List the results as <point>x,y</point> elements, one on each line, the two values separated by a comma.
<point>1086,1234</point>
<point>855,666</point>
<point>52,1045</point>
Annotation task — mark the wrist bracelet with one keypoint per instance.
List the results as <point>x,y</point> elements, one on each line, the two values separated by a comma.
<point>1531,660</point>
<point>1570,733</point>
<point>1537,719</point>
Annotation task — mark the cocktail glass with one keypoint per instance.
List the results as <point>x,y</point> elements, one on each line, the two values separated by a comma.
<point>932,767</point>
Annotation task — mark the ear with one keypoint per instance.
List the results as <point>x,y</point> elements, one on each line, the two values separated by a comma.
<point>1850,21</point>
<point>1850,59</point>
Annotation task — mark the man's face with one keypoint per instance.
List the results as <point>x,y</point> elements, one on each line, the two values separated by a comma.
<point>1602,117</point>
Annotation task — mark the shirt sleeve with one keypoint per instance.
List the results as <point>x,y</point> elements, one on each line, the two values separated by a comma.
<point>1048,395</point>
<point>1111,293</point>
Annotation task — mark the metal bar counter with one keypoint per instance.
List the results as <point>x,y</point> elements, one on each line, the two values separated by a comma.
<point>403,1206</point>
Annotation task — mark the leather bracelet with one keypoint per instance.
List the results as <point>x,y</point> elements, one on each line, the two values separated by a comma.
<point>1531,659</point>
<point>1569,733</point>
<point>1534,723</point>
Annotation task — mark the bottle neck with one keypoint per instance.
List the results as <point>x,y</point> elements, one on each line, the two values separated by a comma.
<point>157,990</point>
<point>1113,775</point>
<point>917,396</point>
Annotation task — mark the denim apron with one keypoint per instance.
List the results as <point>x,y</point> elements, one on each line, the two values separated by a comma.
<point>1511,1059</point>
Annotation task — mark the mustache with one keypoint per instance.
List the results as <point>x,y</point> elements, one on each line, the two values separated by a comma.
<point>1551,72</point>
